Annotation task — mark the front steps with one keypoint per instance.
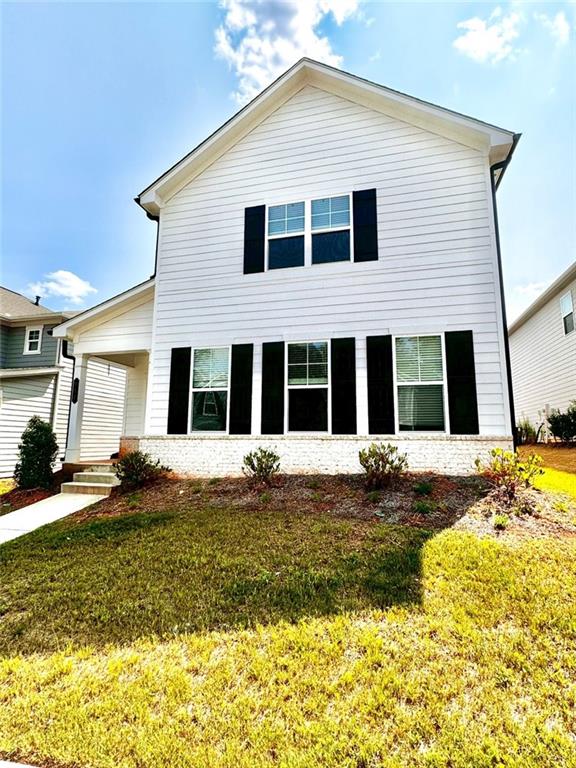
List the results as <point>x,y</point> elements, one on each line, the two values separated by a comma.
<point>99,479</point>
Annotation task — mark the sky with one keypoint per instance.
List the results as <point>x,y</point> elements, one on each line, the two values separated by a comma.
<point>98,99</point>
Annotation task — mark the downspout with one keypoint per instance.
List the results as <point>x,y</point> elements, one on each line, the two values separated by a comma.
<point>155,218</point>
<point>68,357</point>
<point>501,166</point>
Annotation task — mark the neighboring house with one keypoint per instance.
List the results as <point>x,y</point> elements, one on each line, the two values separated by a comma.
<point>543,352</point>
<point>36,377</point>
<point>327,274</point>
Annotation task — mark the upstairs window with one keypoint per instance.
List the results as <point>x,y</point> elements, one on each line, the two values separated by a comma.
<point>286,235</point>
<point>33,340</point>
<point>210,389</point>
<point>567,309</point>
<point>331,229</point>
<point>308,387</point>
<point>420,383</point>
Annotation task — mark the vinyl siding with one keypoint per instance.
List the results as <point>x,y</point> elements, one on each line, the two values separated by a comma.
<point>129,330</point>
<point>4,332</point>
<point>136,383</point>
<point>63,389</point>
<point>103,418</point>
<point>437,259</point>
<point>14,357</point>
<point>543,362</point>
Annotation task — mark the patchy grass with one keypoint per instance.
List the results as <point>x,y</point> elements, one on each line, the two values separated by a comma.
<point>555,456</point>
<point>6,485</point>
<point>211,636</point>
<point>557,482</point>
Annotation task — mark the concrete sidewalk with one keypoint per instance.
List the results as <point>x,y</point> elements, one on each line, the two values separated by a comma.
<point>27,519</point>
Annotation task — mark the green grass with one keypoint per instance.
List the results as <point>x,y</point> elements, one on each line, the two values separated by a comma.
<point>266,639</point>
<point>557,481</point>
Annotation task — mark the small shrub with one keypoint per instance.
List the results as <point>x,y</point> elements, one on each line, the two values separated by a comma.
<point>36,455</point>
<point>265,497</point>
<point>563,425</point>
<point>214,481</point>
<point>261,465</point>
<point>423,488</point>
<point>423,507</point>
<point>316,496</point>
<point>373,497</point>
<point>137,469</point>
<point>196,487</point>
<point>508,472</point>
<point>313,484</point>
<point>134,500</point>
<point>501,522</point>
<point>561,507</point>
<point>526,433</point>
<point>382,464</point>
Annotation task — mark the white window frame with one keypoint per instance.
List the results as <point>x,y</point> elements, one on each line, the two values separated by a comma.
<point>326,386</point>
<point>568,295</point>
<point>193,389</point>
<point>307,232</point>
<point>444,383</point>
<point>30,329</point>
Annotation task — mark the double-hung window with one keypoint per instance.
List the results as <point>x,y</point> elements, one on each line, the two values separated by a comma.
<point>420,383</point>
<point>567,309</point>
<point>33,340</point>
<point>286,235</point>
<point>331,229</point>
<point>308,386</point>
<point>210,383</point>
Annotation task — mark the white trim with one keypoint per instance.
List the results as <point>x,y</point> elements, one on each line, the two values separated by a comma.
<point>14,373</point>
<point>192,389</point>
<point>27,340</point>
<point>327,387</point>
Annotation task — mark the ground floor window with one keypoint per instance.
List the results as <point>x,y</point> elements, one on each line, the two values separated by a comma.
<point>420,383</point>
<point>210,385</point>
<point>308,389</point>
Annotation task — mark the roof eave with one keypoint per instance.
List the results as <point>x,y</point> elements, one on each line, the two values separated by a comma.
<point>558,285</point>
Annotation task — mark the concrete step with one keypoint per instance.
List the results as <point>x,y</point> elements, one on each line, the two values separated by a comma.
<point>96,477</point>
<point>102,469</point>
<point>99,489</point>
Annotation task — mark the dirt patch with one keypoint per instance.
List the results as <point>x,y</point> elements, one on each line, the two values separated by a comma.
<point>556,456</point>
<point>17,498</point>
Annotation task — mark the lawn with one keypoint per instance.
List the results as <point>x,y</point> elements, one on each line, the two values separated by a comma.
<point>559,467</point>
<point>191,633</point>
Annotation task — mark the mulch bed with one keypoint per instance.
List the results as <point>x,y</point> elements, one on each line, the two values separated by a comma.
<point>17,498</point>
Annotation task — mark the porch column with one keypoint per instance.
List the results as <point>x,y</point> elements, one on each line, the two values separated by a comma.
<point>77,409</point>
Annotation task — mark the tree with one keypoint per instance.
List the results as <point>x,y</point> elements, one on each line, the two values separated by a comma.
<point>36,455</point>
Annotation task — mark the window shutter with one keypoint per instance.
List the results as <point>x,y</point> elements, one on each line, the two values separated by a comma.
<point>241,389</point>
<point>461,375</point>
<point>273,388</point>
<point>343,379</point>
<point>365,225</point>
<point>380,385</point>
<point>254,239</point>
<point>179,392</point>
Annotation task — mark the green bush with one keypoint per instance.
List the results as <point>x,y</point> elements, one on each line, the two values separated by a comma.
<point>563,425</point>
<point>382,464</point>
<point>261,465</point>
<point>137,469</point>
<point>526,433</point>
<point>373,497</point>
<point>508,472</point>
<point>424,488</point>
<point>501,522</point>
<point>36,455</point>
<point>423,507</point>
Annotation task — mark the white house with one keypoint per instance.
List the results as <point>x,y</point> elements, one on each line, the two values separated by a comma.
<point>543,352</point>
<point>327,274</point>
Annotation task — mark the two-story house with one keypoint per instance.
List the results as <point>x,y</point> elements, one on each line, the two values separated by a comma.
<point>327,274</point>
<point>36,371</point>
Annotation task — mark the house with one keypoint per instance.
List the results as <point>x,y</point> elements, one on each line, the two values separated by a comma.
<point>36,370</point>
<point>327,274</point>
<point>543,353</point>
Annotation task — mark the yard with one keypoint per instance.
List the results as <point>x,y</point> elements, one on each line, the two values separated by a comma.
<point>203,624</point>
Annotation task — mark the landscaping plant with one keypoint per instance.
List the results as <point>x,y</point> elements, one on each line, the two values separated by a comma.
<point>36,455</point>
<point>137,469</point>
<point>509,472</point>
<point>382,464</point>
<point>261,465</point>
<point>526,433</point>
<point>563,425</point>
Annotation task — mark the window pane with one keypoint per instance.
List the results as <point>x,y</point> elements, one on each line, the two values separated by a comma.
<point>318,373</point>
<point>419,358</point>
<point>331,212</point>
<point>295,225</point>
<point>321,206</point>
<point>297,374</point>
<point>318,352</point>
<point>340,219</point>
<point>285,218</point>
<point>277,227</point>
<point>421,408</point>
<point>210,368</point>
<point>407,358</point>
<point>209,411</point>
<point>430,353</point>
<point>276,212</point>
<point>566,304</point>
<point>297,353</point>
<point>321,221</point>
<point>330,247</point>
<point>340,203</point>
<point>32,346</point>
<point>295,210</point>
<point>308,410</point>
<point>569,323</point>
<point>286,252</point>
<point>33,335</point>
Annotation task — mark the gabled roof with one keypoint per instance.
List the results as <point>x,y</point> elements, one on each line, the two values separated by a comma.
<point>498,142</point>
<point>15,306</point>
<point>559,285</point>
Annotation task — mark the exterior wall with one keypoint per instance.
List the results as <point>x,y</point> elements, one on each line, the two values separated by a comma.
<point>103,417</point>
<point>136,384</point>
<point>4,333</point>
<point>62,397</point>
<point>214,456</point>
<point>129,329</point>
<point>543,362</point>
<point>437,267</point>
<point>14,348</point>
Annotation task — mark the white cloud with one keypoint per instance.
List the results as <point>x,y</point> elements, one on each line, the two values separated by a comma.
<point>520,297</point>
<point>491,40</point>
<point>64,285</point>
<point>376,56</point>
<point>558,26</point>
<point>263,38</point>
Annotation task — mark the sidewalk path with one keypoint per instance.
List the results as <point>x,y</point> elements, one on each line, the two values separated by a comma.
<point>41,513</point>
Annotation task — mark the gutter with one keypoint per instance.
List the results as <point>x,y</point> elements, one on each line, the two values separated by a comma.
<point>73,390</point>
<point>502,166</point>
<point>156,218</point>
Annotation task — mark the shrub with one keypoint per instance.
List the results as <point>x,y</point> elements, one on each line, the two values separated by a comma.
<point>423,488</point>
<point>137,469</point>
<point>36,455</point>
<point>501,522</point>
<point>563,425</point>
<point>382,464</point>
<point>508,472</point>
<point>526,433</point>
<point>423,507</point>
<point>265,497</point>
<point>261,465</point>
<point>373,497</point>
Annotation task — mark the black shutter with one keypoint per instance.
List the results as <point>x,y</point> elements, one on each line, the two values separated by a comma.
<point>461,373</point>
<point>179,392</point>
<point>365,225</point>
<point>273,388</point>
<point>254,237</point>
<point>343,379</point>
<point>241,389</point>
<point>380,385</point>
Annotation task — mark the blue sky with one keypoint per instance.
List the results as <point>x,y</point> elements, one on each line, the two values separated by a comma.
<point>98,99</point>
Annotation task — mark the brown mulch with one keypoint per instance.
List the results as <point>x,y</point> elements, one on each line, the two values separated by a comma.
<point>555,455</point>
<point>17,498</point>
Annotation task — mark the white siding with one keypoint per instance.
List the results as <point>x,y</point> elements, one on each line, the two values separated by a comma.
<point>20,399</point>
<point>63,388</point>
<point>128,330</point>
<point>103,410</point>
<point>437,265</point>
<point>543,362</point>
<point>136,383</point>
